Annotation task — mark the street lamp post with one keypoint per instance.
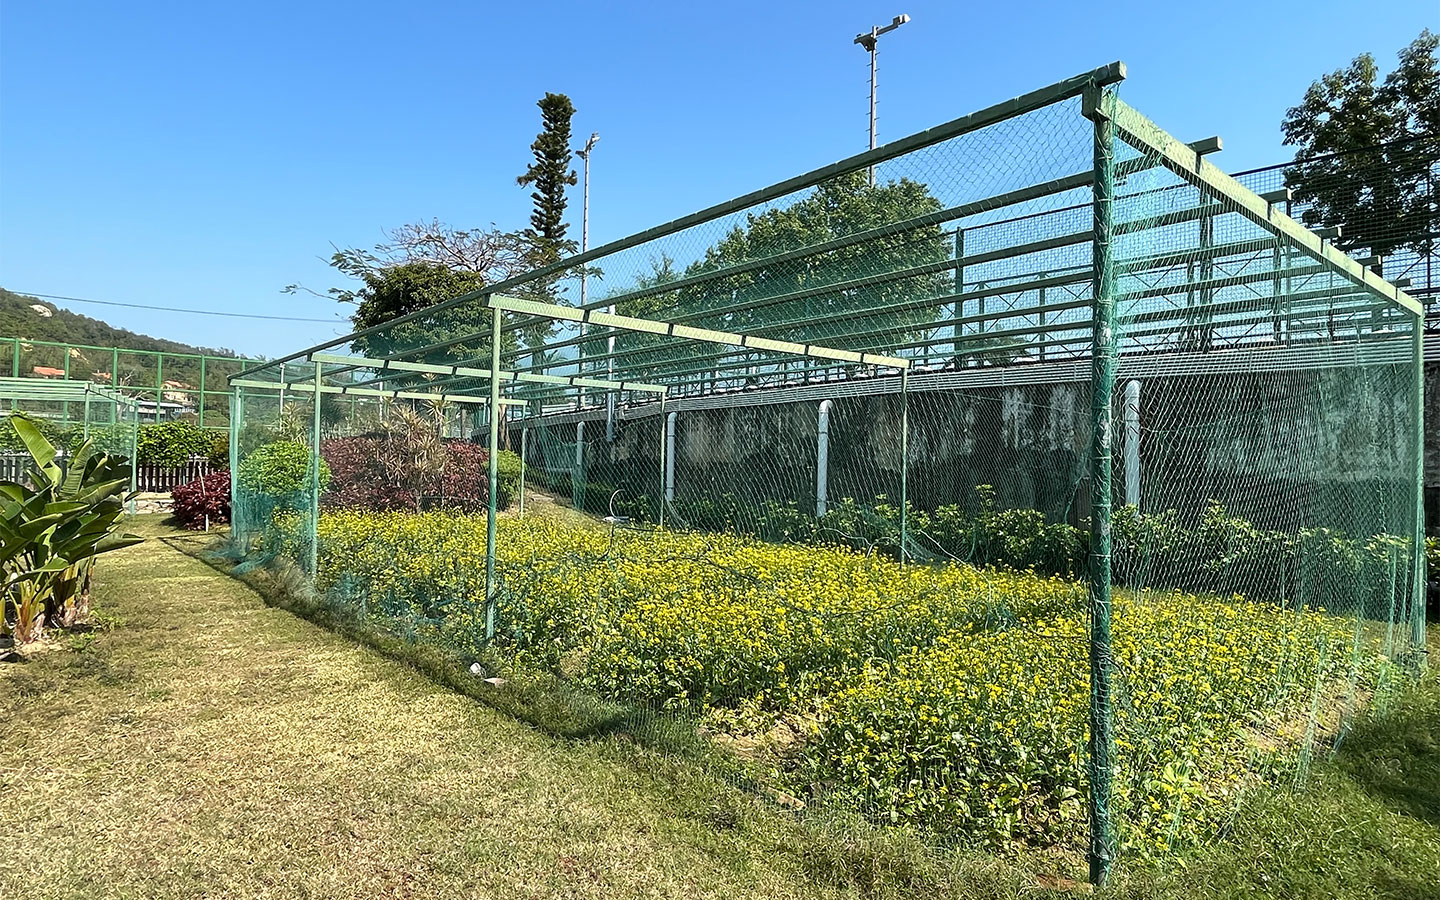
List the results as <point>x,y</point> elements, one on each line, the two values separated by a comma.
<point>584,154</point>
<point>869,40</point>
<point>585,245</point>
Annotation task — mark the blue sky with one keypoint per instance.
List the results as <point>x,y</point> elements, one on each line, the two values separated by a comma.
<point>206,155</point>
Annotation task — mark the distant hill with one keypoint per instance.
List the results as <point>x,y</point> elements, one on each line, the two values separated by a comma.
<point>32,319</point>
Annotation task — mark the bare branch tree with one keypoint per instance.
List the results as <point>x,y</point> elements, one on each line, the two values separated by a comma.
<point>491,253</point>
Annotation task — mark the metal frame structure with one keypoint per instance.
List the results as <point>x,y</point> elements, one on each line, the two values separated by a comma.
<point>1013,299</point>
<point>83,393</point>
<point>18,346</point>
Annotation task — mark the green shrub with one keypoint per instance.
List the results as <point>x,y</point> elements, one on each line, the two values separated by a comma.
<point>279,469</point>
<point>219,452</point>
<point>171,444</point>
<point>10,440</point>
<point>508,486</point>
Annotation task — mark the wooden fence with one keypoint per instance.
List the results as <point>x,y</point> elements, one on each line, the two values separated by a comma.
<point>158,479</point>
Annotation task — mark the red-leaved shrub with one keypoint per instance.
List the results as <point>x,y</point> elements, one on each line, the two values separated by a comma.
<point>208,495</point>
<point>376,472</point>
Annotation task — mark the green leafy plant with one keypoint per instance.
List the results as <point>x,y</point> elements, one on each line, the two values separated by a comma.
<point>53,528</point>
<point>281,468</point>
<point>218,453</point>
<point>171,444</point>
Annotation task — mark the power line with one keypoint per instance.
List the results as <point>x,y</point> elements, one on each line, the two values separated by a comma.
<point>177,309</point>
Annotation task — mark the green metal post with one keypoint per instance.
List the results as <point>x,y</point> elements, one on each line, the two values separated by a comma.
<point>115,368</point>
<point>1207,275</point>
<point>237,410</point>
<point>904,464</point>
<point>65,407</point>
<point>1417,610</point>
<point>524,433</point>
<point>202,391</point>
<point>160,385</point>
<point>494,466</point>
<point>664,461</point>
<point>85,429</point>
<point>14,365</point>
<point>134,448</point>
<point>955,330</point>
<point>1102,662</point>
<point>315,474</point>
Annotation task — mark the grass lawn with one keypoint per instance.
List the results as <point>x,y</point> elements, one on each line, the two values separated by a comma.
<point>202,743</point>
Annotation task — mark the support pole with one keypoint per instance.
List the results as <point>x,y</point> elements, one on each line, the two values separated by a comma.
<point>1132,443</point>
<point>1102,663</point>
<point>315,473</point>
<point>822,459</point>
<point>956,330</point>
<point>578,479</point>
<point>202,392</point>
<point>1417,610</point>
<point>670,420</point>
<point>159,384</point>
<point>237,410</point>
<point>664,458</point>
<point>494,467</point>
<point>1207,276</point>
<point>134,449</point>
<point>904,464</point>
<point>874,41</point>
<point>524,434</point>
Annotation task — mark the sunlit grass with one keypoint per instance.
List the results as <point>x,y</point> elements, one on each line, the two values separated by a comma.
<point>204,744</point>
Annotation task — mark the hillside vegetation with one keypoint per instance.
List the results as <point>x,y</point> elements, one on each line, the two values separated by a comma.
<point>34,320</point>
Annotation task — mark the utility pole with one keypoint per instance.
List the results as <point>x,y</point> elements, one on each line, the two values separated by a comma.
<point>869,40</point>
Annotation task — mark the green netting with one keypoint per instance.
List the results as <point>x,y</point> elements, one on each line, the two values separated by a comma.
<point>68,413</point>
<point>1119,527</point>
<point>167,385</point>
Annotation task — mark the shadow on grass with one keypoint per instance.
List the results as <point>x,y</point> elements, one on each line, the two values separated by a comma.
<point>833,846</point>
<point>551,704</point>
<point>1395,757</point>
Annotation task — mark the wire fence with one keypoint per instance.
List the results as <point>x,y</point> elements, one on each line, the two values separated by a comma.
<point>1055,489</point>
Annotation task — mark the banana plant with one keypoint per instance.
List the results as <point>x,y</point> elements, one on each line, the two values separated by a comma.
<point>52,529</point>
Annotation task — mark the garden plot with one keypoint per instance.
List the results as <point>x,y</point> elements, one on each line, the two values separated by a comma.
<point>952,697</point>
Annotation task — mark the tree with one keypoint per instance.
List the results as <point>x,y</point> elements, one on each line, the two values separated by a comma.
<point>841,301</point>
<point>1367,151</point>
<point>392,291</point>
<point>417,266</point>
<point>492,254</point>
<point>550,174</point>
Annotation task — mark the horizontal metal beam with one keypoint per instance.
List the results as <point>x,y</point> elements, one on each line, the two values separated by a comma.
<point>1293,307</point>
<point>361,362</point>
<point>1011,198</point>
<point>1183,161</point>
<point>1025,103</point>
<point>253,384</point>
<point>686,332</point>
<point>1056,280</point>
<point>26,388</point>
